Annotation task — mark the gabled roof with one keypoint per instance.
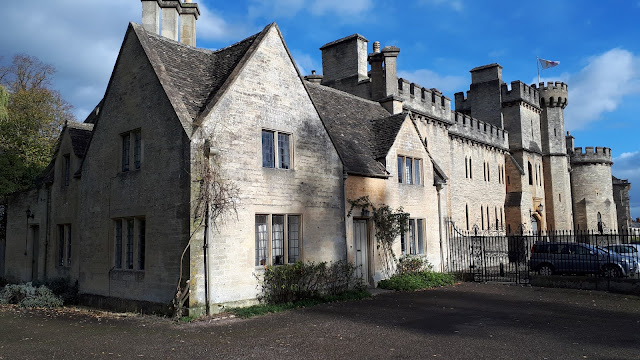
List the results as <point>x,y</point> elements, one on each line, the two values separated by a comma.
<point>194,78</point>
<point>80,137</point>
<point>385,131</point>
<point>350,122</point>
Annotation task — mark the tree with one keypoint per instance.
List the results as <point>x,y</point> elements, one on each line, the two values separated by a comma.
<point>31,117</point>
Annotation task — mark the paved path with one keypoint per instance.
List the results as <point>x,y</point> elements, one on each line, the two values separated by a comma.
<point>468,321</point>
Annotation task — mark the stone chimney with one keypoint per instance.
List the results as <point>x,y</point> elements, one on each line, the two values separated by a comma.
<point>170,16</point>
<point>314,78</point>
<point>151,16</point>
<point>171,13</point>
<point>188,16</point>
<point>390,54</point>
<point>570,142</point>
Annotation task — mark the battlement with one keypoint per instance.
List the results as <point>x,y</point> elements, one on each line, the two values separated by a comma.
<point>520,92</point>
<point>429,101</point>
<point>472,128</point>
<point>601,155</point>
<point>554,94</point>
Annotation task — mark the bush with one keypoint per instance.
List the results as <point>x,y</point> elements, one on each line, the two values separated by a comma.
<point>412,265</point>
<point>290,283</point>
<point>63,288</point>
<point>416,281</point>
<point>27,295</point>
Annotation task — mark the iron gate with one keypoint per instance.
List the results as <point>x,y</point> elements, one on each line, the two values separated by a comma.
<point>488,255</point>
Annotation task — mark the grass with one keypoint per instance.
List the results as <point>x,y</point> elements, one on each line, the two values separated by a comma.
<point>263,309</point>
<point>417,281</point>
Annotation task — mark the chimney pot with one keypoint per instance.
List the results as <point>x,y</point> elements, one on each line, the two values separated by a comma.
<point>376,47</point>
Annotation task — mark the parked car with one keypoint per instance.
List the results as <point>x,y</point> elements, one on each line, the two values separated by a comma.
<point>631,251</point>
<point>578,258</point>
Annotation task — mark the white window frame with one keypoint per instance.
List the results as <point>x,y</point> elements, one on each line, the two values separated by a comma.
<point>410,242</point>
<point>287,238</point>
<point>277,163</point>
<point>403,174</point>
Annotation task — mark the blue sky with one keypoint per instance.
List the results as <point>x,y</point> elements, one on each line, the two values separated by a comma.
<point>596,42</point>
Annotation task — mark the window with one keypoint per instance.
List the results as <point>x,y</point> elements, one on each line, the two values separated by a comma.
<point>467,216</point>
<point>64,245</point>
<point>276,155</point>
<point>127,138</point>
<point>412,242</point>
<point>281,243</point>
<point>66,171</point>
<point>470,170</point>
<point>409,170</point>
<point>530,168</point>
<point>137,149</point>
<point>482,216</point>
<point>466,168</point>
<point>130,243</point>
<point>126,144</point>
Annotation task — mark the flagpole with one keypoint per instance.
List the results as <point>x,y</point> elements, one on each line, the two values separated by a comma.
<point>538,67</point>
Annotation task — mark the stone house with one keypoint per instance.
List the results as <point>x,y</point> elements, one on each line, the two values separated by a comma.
<point>198,168</point>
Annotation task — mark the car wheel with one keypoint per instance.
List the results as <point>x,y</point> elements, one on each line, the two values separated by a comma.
<point>545,270</point>
<point>611,271</point>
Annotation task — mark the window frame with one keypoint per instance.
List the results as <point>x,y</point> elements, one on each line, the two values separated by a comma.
<point>64,246</point>
<point>412,174</point>
<point>131,150</point>
<point>413,241</point>
<point>266,255</point>
<point>276,159</point>
<point>129,243</point>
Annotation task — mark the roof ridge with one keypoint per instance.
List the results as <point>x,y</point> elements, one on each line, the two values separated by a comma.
<point>324,87</point>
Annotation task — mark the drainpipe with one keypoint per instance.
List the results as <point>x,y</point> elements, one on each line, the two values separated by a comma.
<point>205,250</point>
<point>439,192</point>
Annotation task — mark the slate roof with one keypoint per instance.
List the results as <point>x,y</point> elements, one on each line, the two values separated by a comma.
<point>354,124</point>
<point>196,75</point>
<point>80,137</point>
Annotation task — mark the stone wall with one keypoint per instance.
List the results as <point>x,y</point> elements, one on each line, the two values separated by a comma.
<point>157,192</point>
<point>592,193</point>
<point>420,201</point>
<point>268,94</point>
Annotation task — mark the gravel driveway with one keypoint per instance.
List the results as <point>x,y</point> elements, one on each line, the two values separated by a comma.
<point>467,321</point>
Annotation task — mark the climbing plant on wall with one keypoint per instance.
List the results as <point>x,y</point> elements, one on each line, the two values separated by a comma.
<point>389,224</point>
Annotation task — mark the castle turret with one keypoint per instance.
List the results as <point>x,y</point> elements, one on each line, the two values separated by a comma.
<point>553,100</point>
<point>592,189</point>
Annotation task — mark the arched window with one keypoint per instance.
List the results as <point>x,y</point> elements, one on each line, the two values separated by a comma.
<point>501,218</point>
<point>496,213</point>
<point>488,172</point>
<point>530,168</point>
<point>488,223</point>
<point>482,216</point>
<point>470,169</point>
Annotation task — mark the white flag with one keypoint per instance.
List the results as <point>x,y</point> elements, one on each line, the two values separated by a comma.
<point>548,63</point>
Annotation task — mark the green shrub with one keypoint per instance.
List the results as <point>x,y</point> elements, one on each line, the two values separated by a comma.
<point>27,295</point>
<point>412,265</point>
<point>416,281</point>
<point>294,282</point>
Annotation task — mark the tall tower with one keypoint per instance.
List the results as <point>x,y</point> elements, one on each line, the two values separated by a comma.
<point>592,190</point>
<point>555,162</point>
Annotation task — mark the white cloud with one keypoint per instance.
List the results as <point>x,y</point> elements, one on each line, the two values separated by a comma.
<point>430,79</point>
<point>305,62</point>
<point>455,5</point>
<point>212,26</point>
<point>290,8</point>
<point>627,166</point>
<point>601,86</point>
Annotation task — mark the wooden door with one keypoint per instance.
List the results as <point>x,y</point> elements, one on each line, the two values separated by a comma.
<point>360,239</point>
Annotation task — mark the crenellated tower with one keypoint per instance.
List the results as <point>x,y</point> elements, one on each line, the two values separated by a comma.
<point>592,190</point>
<point>553,99</point>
